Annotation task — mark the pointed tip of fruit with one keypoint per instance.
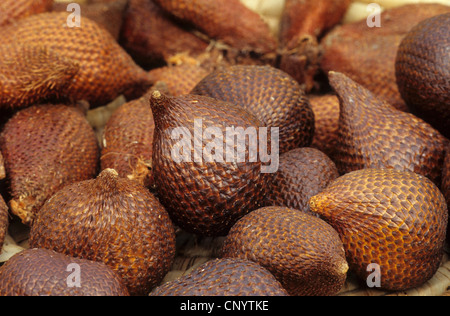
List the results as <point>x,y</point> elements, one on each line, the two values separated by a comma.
<point>157,95</point>
<point>109,172</point>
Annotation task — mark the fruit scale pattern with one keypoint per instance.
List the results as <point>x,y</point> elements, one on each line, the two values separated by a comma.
<point>358,203</point>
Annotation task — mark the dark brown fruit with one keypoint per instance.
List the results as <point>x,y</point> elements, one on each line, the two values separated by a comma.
<point>423,71</point>
<point>32,73</point>
<point>367,55</point>
<point>228,21</point>
<point>128,141</point>
<point>45,148</point>
<point>106,70</point>
<point>397,220</point>
<point>2,167</point>
<point>273,96</point>
<point>152,36</point>
<point>111,220</point>
<point>224,277</point>
<point>4,221</point>
<point>303,173</point>
<point>373,134</point>
<point>203,187</point>
<point>12,10</point>
<point>302,251</point>
<point>326,113</point>
<point>41,272</point>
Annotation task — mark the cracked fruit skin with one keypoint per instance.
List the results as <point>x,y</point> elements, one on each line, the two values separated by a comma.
<point>397,220</point>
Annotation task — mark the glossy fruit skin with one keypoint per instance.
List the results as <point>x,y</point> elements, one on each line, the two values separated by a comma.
<point>42,272</point>
<point>43,153</point>
<point>128,141</point>
<point>273,96</point>
<point>204,196</point>
<point>422,71</point>
<point>224,277</point>
<point>373,134</point>
<point>397,220</point>
<point>111,220</point>
<point>302,251</point>
<point>106,70</point>
<point>303,173</point>
<point>367,55</point>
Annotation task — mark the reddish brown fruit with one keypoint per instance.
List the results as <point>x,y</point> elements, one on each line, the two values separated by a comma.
<point>446,182</point>
<point>326,113</point>
<point>270,94</point>
<point>312,17</point>
<point>224,277</point>
<point>203,188</point>
<point>44,152</point>
<point>373,134</point>
<point>128,141</point>
<point>108,14</point>
<point>12,10</point>
<point>228,21</point>
<point>423,72</point>
<point>4,221</point>
<point>41,272</point>
<point>152,36</point>
<point>111,220</point>
<point>32,74</point>
<point>367,55</point>
<point>2,167</point>
<point>303,173</point>
<point>105,69</point>
<point>302,251</point>
<point>395,220</point>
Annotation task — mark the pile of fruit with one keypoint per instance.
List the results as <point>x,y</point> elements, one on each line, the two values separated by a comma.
<point>283,148</point>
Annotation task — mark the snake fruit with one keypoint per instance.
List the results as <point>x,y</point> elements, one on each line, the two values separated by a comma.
<point>42,272</point>
<point>204,186</point>
<point>394,220</point>
<point>373,134</point>
<point>224,277</point>
<point>302,251</point>
<point>423,71</point>
<point>111,220</point>
<point>44,152</point>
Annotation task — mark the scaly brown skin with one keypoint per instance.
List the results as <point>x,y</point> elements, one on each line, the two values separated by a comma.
<point>224,277</point>
<point>105,69</point>
<point>422,71</point>
<point>446,181</point>
<point>303,173</point>
<point>326,113</point>
<point>4,221</point>
<point>128,141</point>
<point>270,94</point>
<point>397,220</point>
<point>228,21</point>
<point>367,55</point>
<point>204,196</point>
<point>41,272</point>
<point>373,134</point>
<point>32,74</point>
<point>13,10</point>
<point>2,168</point>
<point>111,220</point>
<point>302,251</point>
<point>43,153</point>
